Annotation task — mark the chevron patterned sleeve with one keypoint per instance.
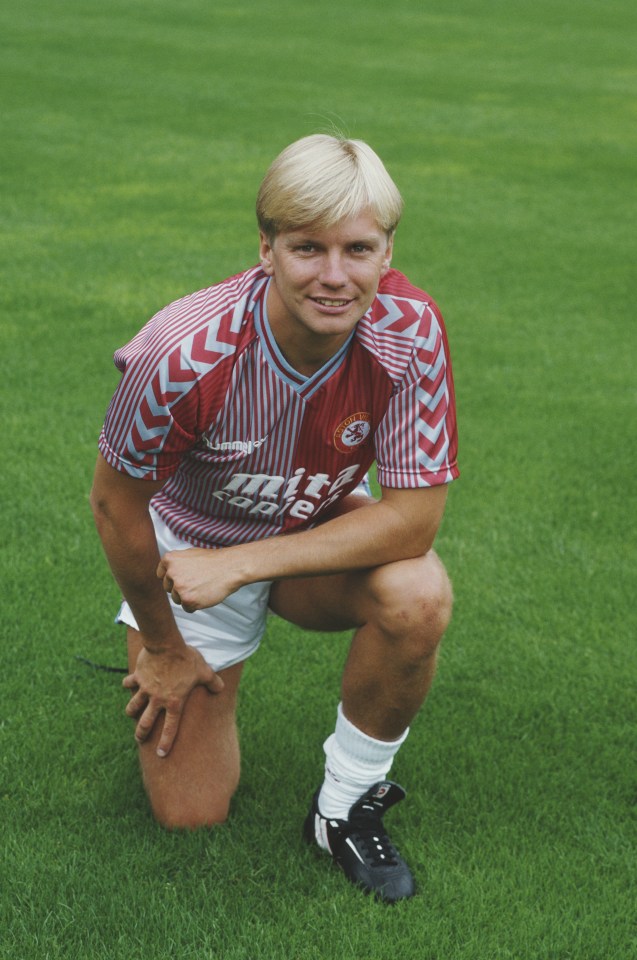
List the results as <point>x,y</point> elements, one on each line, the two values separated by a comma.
<point>150,424</point>
<point>416,442</point>
<point>173,374</point>
<point>152,419</point>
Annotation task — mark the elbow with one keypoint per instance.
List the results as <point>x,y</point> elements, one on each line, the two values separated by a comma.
<point>101,508</point>
<point>419,546</point>
<point>415,541</point>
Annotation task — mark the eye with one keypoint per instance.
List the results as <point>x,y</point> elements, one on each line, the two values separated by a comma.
<point>305,248</point>
<point>360,248</point>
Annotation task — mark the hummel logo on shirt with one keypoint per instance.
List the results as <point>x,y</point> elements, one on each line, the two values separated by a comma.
<point>235,446</point>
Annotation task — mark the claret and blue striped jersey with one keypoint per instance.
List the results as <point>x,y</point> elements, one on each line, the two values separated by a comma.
<point>249,447</point>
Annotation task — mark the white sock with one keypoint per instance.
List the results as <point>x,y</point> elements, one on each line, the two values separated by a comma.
<point>354,763</point>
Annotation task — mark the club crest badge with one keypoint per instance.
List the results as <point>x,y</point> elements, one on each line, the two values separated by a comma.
<point>352,431</point>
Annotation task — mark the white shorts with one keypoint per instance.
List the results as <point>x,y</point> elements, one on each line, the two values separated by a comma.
<point>224,634</point>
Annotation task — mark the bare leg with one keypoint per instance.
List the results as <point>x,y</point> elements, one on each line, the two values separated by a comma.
<point>392,658</point>
<point>193,785</point>
<point>401,611</point>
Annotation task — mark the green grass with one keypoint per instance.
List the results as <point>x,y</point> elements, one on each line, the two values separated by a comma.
<point>134,136</point>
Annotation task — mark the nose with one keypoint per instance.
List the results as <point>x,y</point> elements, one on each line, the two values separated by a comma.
<point>333,273</point>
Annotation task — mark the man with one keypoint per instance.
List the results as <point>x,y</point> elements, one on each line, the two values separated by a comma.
<point>229,481</point>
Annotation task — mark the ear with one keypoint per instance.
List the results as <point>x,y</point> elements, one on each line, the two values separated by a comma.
<point>388,255</point>
<point>265,253</point>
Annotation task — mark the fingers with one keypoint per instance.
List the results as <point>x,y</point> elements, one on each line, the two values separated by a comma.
<point>146,711</point>
<point>170,726</point>
<point>140,704</point>
<point>162,574</point>
<point>146,723</point>
<point>169,732</point>
<point>169,585</point>
<point>216,685</point>
<point>166,691</point>
<point>136,704</point>
<point>208,678</point>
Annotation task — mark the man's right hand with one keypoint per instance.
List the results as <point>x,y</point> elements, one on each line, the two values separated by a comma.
<point>163,681</point>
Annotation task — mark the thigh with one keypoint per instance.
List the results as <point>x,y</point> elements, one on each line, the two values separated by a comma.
<point>318,603</point>
<point>328,602</point>
<point>193,785</point>
<point>349,600</point>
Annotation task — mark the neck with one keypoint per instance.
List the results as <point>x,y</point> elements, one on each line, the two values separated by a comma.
<point>304,354</point>
<point>305,350</point>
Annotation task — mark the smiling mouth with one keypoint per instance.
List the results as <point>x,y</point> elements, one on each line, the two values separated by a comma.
<point>327,302</point>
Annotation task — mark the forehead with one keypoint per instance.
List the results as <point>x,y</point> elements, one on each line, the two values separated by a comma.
<point>363,226</point>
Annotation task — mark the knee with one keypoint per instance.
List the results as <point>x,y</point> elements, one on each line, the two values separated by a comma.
<point>413,600</point>
<point>188,805</point>
<point>188,815</point>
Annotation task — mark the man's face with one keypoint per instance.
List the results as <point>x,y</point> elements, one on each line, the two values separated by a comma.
<point>324,281</point>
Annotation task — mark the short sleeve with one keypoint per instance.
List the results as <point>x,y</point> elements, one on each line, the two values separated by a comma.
<point>151,421</point>
<point>416,441</point>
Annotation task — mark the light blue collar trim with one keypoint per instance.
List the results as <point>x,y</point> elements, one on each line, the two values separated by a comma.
<point>305,386</point>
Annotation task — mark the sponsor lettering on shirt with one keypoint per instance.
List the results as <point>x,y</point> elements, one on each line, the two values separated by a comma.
<point>300,496</point>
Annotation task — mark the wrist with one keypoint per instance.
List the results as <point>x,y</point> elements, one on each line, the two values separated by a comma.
<point>253,562</point>
<point>161,648</point>
<point>160,639</point>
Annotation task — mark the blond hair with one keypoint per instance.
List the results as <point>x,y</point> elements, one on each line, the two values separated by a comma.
<point>321,180</point>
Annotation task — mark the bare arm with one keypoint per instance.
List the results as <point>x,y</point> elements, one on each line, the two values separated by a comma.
<point>166,670</point>
<point>401,525</point>
<point>120,508</point>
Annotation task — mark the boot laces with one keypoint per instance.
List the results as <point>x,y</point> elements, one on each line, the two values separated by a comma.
<point>377,846</point>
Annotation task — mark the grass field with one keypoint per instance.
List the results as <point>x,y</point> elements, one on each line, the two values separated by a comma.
<point>134,136</point>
